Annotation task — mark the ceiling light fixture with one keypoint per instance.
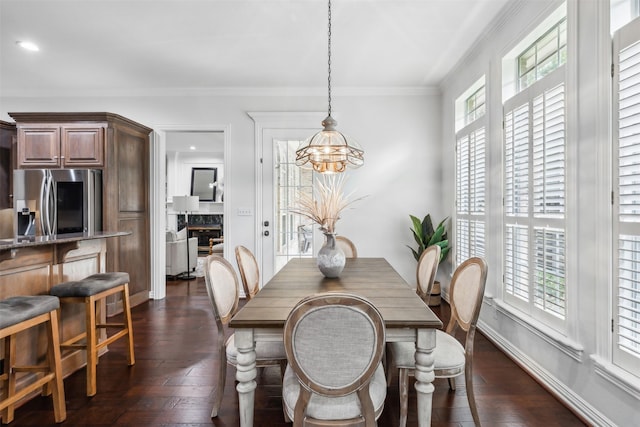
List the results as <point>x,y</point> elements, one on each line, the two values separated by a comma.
<point>329,151</point>
<point>28,46</point>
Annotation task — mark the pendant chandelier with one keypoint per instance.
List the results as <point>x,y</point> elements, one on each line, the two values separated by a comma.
<point>329,151</point>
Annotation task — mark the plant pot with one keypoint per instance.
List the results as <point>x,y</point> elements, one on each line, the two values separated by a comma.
<point>434,297</point>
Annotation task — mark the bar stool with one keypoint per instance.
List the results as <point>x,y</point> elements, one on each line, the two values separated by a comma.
<point>89,291</point>
<point>18,314</point>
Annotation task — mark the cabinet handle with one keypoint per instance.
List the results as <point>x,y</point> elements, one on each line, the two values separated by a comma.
<point>62,157</point>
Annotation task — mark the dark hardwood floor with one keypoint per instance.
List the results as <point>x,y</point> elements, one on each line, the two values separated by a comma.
<point>173,380</point>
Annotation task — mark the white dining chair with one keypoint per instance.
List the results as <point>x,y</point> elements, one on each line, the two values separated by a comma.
<point>347,246</point>
<point>249,271</point>
<point>452,359</point>
<point>222,287</point>
<point>334,344</point>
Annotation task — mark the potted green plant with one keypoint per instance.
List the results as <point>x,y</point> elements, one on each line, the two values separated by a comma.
<point>426,235</point>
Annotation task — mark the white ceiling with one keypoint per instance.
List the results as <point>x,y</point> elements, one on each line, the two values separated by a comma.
<point>104,47</point>
<point>195,142</point>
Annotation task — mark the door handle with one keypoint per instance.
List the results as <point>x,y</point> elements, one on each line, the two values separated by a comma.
<point>266,223</point>
<point>266,233</point>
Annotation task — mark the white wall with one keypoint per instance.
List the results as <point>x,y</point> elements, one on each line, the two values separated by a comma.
<point>179,165</point>
<point>573,363</point>
<point>400,135</point>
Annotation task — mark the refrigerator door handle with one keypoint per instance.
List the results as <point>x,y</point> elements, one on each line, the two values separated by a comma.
<point>47,205</point>
<point>44,197</point>
<point>53,214</point>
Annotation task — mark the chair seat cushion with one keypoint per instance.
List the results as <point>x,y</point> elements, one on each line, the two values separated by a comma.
<point>264,351</point>
<point>18,309</point>
<point>90,285</point>
<point>449,353</point>
<point>333,408</point>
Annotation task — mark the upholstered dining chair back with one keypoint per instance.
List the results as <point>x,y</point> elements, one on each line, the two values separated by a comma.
<point>347,246</point>
<point>249,271</point>
<point>222,287</point>
<point>466,292</point>
<point>334,344</point>
<point>426,271</point>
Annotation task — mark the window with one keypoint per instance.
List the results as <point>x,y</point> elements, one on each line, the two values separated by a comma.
<point>474,106</point>
<point>626,206</point>
<point>470,176</point>
<point>622,12</point>
<point>534,184</point>
<point>542,57</point>
<point>294,236</point>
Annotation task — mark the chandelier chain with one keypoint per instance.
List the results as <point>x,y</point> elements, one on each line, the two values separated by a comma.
<point>329,62</point>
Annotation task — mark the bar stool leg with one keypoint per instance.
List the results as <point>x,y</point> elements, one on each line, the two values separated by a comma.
<point>131,359</point>
<point>51,378</point>
<point>92,292</point>
<point>92,352</point>
<point>53,354</point>
<point>10,383</point>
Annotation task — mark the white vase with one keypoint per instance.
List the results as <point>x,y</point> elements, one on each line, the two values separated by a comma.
<point>331,259</point>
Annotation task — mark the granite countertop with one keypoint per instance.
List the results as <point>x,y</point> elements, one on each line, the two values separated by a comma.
<point>21,242</point>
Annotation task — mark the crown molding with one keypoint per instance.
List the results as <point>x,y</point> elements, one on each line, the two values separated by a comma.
<point>224,91</point>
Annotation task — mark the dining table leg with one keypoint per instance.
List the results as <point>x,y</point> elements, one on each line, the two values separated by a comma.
<point>246,374</point>
<point>425,344</point>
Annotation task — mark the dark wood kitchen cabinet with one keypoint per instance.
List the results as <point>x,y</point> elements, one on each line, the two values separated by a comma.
<point>74,145</point>
<point>121,148</point>
<point>7,163</point>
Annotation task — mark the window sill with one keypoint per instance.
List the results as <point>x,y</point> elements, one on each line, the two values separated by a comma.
<point>551,336</point>
<point>617,376</point>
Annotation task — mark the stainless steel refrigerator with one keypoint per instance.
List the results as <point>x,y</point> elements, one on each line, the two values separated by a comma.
<point>57,201</point>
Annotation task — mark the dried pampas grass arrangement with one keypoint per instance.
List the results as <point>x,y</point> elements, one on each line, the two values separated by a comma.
<point>329,202</point>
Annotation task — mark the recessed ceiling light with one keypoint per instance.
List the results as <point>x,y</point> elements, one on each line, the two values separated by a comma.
<point>193,147</point>
<point>28,46</point>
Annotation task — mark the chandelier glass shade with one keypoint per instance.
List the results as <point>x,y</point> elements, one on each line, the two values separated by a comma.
<point>329,151</point>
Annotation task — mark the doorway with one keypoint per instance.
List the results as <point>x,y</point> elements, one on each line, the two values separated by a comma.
<point>174,142</point>
<point>281,234</point>
<point>286,235</point>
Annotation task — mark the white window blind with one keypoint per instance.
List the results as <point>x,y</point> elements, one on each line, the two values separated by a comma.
<point>534,200</point>
<point>548,153</point>
<point>470,191</point>
<point>549,271</point>
<point>516,133</point>
<point>517,261</point>
<point>626,298</point>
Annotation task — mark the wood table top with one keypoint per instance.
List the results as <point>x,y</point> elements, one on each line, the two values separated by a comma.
<point>371,278</point>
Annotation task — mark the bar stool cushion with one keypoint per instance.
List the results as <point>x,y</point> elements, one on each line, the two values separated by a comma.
<point>18,309</point>
<point>90,285</point>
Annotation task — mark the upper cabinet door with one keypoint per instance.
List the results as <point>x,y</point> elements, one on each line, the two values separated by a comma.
<point>39,146</point>
<point>82,146</point>
<point>61,146</point>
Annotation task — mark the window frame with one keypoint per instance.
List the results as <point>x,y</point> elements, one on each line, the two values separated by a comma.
<point>625,38</point>
<point>473,114</point>
<point>538,62</point>
<point>474,235</point>
<point>527,219</point>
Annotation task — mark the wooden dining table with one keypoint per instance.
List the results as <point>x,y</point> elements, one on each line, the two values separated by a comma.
<point>406,318</point>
